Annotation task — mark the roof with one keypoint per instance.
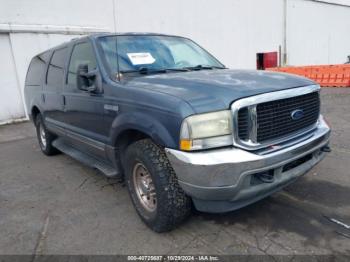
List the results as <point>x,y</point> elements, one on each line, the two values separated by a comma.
<point>95,35</point>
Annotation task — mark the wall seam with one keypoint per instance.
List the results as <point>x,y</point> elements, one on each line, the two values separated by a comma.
<point>285,43</point>
<point>17,77</point>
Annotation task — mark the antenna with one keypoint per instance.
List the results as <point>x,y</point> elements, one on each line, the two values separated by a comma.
<point>116,36</point>
<point>116,49</point>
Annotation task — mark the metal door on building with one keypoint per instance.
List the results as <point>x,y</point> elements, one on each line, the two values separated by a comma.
<point>11,100</point>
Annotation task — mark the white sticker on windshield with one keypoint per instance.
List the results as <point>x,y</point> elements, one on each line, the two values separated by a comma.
<point>141,58</point>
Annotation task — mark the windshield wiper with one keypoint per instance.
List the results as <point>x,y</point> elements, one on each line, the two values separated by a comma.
<point>200,67</point>
<point>145,70</point>
<point>177,69</point>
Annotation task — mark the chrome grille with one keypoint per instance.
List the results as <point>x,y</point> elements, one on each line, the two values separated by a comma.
<point>270,119</point>
<point>243,123</point>
<point>274,118</point>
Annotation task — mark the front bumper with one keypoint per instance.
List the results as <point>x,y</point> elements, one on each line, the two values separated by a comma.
<point>226,179</point>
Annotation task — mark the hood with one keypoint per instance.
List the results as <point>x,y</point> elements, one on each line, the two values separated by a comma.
<point>212,90</point>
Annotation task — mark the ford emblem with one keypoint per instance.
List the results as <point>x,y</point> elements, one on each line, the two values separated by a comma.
<point>297,114</point>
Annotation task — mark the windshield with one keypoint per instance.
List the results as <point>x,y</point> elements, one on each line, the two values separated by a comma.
<point>137,53</point>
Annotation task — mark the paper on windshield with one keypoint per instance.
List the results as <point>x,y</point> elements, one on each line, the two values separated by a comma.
<point>141,58</point>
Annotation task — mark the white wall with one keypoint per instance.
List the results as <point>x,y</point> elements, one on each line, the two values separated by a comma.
<point>22,35</point>
<point>16,52</point>
<point>317,33</point>
<point>58,12</point>
<point>11,102</point>
<point>233,30</point>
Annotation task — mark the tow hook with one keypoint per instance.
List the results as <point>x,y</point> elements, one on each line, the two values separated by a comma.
<point>326,149</point>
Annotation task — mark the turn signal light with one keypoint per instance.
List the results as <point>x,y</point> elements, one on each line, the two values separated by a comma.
<point>185,144</point>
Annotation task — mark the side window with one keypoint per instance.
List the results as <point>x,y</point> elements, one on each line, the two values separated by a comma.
<point>82,54</point>
<point>36,71</point>
<point>55,72</point>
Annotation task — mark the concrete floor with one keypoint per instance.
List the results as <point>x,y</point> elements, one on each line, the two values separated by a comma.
<point>55,205</point>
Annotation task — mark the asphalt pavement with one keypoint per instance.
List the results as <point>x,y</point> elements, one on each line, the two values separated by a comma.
<point>55,205</point>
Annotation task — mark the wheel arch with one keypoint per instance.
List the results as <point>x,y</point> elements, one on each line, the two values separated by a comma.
<point>129,136</point>
<point>142,125</point>
<point>34,112</point>
<point>129,128</point>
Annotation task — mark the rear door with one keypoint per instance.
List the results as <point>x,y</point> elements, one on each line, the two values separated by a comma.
<point>52,89</point>
<point>84,110</point>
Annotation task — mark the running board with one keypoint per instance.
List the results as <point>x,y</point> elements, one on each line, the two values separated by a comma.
<point>84,158</point>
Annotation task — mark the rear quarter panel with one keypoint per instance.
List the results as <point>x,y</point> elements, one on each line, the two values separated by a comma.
<point>35,78</point>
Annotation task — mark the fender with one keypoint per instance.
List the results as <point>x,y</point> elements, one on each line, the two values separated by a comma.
<point>146,124</point>
<point>33,98</point>
<point>34,103</point>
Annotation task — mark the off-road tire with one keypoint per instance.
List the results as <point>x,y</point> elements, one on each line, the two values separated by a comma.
<point>47,148</point>
<point>173,205</point>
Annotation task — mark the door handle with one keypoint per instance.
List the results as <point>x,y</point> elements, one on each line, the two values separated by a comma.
<point>63,100</point>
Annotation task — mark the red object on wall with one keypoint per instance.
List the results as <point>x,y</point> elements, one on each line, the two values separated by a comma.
<point>270,59</point>
<point>266,60</point>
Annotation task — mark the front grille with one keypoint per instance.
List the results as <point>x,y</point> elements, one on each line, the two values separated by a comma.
<point>243,123</point>
<point>274,118</point>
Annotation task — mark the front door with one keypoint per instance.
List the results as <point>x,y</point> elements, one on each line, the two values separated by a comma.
<point>84,110</point>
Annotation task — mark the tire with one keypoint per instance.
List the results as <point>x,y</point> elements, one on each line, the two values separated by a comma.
<point>171,205</point>
<point>45,137</point>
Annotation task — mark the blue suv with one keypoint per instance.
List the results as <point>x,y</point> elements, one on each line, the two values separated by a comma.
<point>179,127</point>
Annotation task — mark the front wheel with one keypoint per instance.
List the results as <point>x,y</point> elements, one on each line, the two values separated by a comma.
<point>159,200</point>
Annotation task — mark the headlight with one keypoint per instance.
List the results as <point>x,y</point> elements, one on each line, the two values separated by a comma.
<point>206,131</point>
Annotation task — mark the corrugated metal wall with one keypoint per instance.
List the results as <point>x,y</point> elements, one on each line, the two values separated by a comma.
<point>234,31</point>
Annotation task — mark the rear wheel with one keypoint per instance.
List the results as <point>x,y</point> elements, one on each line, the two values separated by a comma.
<point>159,200</point>
<point>45,137</point>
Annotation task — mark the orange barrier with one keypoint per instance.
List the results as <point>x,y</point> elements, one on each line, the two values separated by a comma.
<point>325,75</point>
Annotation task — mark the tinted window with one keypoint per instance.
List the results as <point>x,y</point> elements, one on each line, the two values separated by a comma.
<point>36,70</point>
<point>56,68</point>
<point>82,54</point>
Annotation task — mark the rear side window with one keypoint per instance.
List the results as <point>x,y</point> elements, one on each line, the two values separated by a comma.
<point>82,54</point>
<point>55,72</point>
<point>36,71</point>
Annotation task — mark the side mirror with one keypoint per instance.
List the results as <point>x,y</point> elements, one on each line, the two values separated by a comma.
<point>87,80</point>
